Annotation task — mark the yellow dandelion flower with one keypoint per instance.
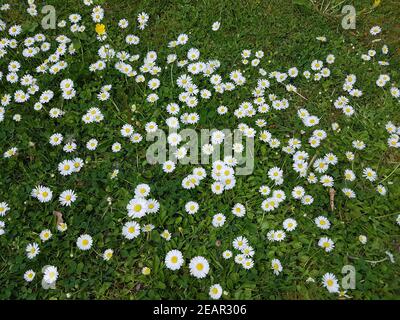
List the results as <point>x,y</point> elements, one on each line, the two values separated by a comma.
<point>100,29</point>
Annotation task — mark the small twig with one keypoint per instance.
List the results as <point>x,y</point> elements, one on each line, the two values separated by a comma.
<point>295,91</point>
<point>299,94</point>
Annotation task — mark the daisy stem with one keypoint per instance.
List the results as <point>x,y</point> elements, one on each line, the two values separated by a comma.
<point>115,105</point>
<point>172,80</point>
<point>390,173</point>
<point>369,261</point>
<point>387,215</point>
<point>312,161</point>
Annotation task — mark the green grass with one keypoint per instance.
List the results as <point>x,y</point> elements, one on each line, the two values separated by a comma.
<point>286,32</point>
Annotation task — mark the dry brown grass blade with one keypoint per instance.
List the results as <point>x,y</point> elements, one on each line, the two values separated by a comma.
<point>59,217</point>
<point>332,193</point>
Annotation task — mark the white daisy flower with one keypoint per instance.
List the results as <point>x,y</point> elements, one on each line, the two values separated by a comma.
<point>84,242</point>
<point>174,260</point>
<point>131,230</point>
<point>199,267</point>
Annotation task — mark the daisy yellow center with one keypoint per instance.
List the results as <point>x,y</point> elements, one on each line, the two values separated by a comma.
<point>137,207</point>
<point>131,229</point>
<point>199,266</point>
<point>174,259</point>
<point>329,283</point>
